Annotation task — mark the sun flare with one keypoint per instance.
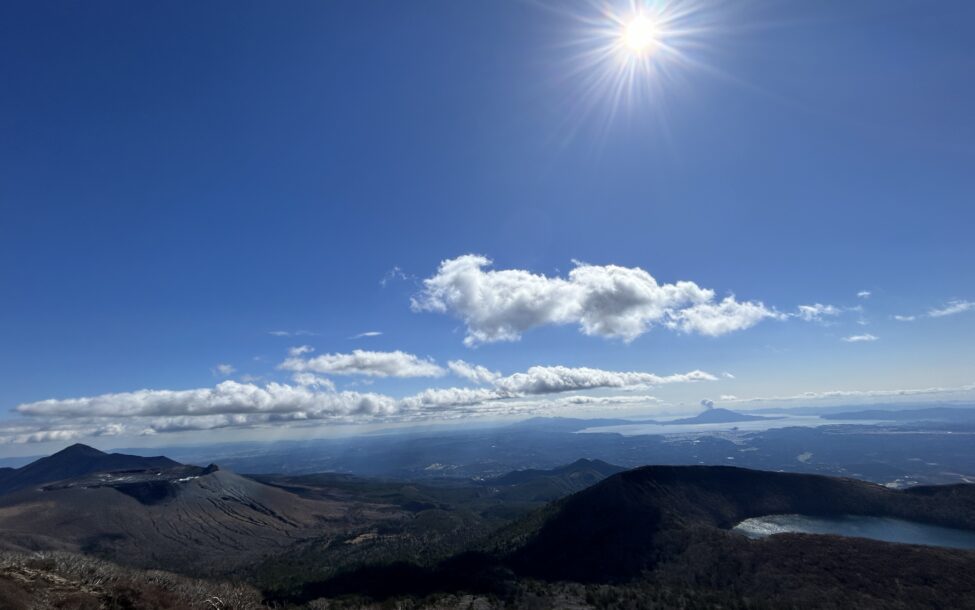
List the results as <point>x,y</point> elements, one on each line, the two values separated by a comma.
<point>640,34</point>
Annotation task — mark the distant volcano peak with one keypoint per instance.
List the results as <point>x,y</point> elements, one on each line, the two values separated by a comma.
<point>80,449</point>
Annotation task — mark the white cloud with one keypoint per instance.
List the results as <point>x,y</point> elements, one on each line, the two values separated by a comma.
<point>729,397</point>
<point>300,350</point>
<point>362,362</point>
<point>313,380</point>
<point>864,294</point>
<point>314,399</point>
<point>715,319</point>
<point>552,379</point>
<point>225,398</point>
<point>905,318</point>
<point>472,372</point>
<point>727,375</point>
<point>845,394</point>
<point>435,398</point>
<point>291,333</point>
<point>395,274</point>
<point>816,312</point>
<point>45,436</point>
<point>607,301</point>
<point>860,338</point>
<point>368,333</point>
<point>952,308</point>
<point>224,370</point>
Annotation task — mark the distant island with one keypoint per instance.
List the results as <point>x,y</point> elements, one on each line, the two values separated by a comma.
<point>715,415</point>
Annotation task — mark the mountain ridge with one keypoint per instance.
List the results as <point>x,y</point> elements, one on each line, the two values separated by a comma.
<point>76,461</point>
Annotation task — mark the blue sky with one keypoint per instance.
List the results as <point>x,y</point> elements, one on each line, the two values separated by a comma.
<point>179,181</point>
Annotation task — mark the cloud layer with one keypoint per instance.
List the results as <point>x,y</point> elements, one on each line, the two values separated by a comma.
<point>606,301</point>
<point>313,399</point>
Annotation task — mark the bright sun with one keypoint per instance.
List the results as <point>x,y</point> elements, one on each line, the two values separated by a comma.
<point>640,34</point>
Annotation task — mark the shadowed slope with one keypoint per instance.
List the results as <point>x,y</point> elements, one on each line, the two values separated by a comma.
<point>633,520</point>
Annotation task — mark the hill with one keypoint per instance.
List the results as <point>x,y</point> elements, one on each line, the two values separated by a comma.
<point>635,519</point>
<point>716,415</point>
<point>75,461</point>
<point>582,468</point>
<point>164,514</point>
<point>662,534</point>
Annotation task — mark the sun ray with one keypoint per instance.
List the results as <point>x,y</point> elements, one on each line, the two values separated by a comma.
<point>628,56</point>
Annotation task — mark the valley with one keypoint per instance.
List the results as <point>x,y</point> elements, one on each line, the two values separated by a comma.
<point>583,534</point>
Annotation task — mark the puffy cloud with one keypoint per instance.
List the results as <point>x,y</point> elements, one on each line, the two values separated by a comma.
<point>300,350</point>
<point>313,398</point>
<point>952,308</point>
<point>226,397</point>
<point>715,319</point>
<point>816,312</point>
<point>552,379</point>
<point>864,294</point>
<point>362,362</point>
<point>707,403</point>
<point>436,398</point>
<point>608,301</point>
<point>865,338</point>
<point>472,372</point>
<point>224,370</point>
<point>313,380</point>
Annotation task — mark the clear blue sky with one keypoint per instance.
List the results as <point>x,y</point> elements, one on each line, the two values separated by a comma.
<point>179,180</point>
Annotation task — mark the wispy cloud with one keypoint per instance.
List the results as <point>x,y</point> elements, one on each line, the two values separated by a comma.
<point>864,294</point>
<point>952,308</point>
<point>223,370</point>
<point>816,312</point>
<point>395,274</point>
<point>843,394</point>
<point>291,333</point>
<point>865,338</point>
<point>368,333</point>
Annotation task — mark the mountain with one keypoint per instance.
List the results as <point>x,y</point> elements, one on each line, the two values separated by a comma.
<point>157,513</point>
<point>640,517</point>
<point>548,485</point>
<point>662,535</point>
<point>716,415</point>
<point>75,461</point>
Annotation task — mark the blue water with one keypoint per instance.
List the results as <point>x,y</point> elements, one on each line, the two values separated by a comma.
<point>877,528</point>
